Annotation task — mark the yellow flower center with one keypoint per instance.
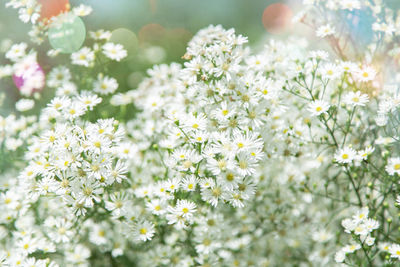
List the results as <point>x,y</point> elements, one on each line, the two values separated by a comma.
<point>118,204</point>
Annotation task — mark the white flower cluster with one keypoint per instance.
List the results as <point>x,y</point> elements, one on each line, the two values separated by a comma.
<point>208,122</point>
<point>14,131</point>
<point>362,227</point>
<point>348,155</point>
<point>235,158</point>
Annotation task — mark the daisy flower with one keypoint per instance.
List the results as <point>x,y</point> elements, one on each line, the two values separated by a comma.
<point>114,51</point>
<point>185,208</point>
<point>365,74</point>
<point>318,107</point>
<point>356,99</point>
<point>16,51</point>
<point>157,206</point>
<point>325,30</point>
<point>143,231</point>
<point>350,4</point>
<point>84,57</point>
<point>82,10</point>
<point>189,183</point>
<point>351,248</point>
<point>330,71</point>
<point>24,104</point>
<point>394,251</point>
<point>363,154</point>
<point>105,85</point>
<point>393,166</point>
<point>100,35</point>
<point>345,155</point>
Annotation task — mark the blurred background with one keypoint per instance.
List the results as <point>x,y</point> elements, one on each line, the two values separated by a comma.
<point>157,31</point>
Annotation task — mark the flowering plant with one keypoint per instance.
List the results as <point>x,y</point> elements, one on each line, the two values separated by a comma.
<point>282,156</point>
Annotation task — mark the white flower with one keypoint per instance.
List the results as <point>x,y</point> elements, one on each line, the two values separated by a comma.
<point>368,240</point>
<point>61,230</point>
<point>393,166</point>
<point>29,13</point>
<point>100,35</point>
<point>330,71</point>
<point>58,76</point>
<point>361,229</point>
<point>185,208</point>
<point>389,29</point>
<point>348,67</point>
<point>351,248</point>
<point>325,30</point>
<point>349,225</point>
<point>365,74</point>
<point>363,154</point>
<point>394,251</point>
<point>89,100</point>
<point>117,203</point>
<point>16,52</point>
<point>157,206</point>
<point>114,51</point>
<point>318,107</point>
<point>143,231</point>
<point>345,155</point>
<point>340,256</point>
<point>322,236</point>
<point>189,183</point>
<point>84,57</point>
<point>77,254</point>
<point>105,85</point>
<point>361,215</point>
<point>356,99</point>
<point>24,104</point>
<point>82,10</point>
<point>350,4</point>
<point>74,110</point>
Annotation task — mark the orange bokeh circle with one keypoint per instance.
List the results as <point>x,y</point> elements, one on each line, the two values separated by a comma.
<point>276,17</point>
<point>52,8</point>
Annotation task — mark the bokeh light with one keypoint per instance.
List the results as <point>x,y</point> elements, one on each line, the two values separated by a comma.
<point>52,8</point>
<point>276,18</point>
<point>359,25</point>
<point>151,33</point>
<point>126,38</point>
<point>153,6</point>
<point>67,34</point>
